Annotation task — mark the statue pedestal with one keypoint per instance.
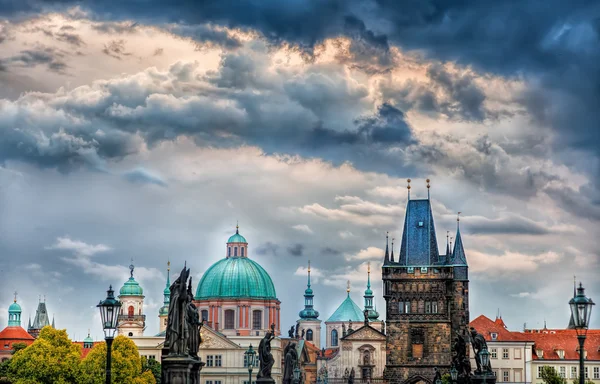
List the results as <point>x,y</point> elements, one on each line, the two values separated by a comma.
<point>480,378</point>
<point>181,370</point>
<point>264,380</point>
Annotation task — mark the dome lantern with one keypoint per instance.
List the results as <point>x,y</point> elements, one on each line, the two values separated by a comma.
<point>237,246</point>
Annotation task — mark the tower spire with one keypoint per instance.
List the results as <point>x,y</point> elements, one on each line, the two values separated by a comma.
<point>348,288</point>
<point>237,227</point>
<point>369,313</point>
<point>428,186</point>
<point>386,259</point>
<point>392,255</point>
<point>447,246</point>
<point>308,313</point>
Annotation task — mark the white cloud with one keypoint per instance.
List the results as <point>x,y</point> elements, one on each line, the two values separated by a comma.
<point>78,247</point>
<point>303,228</point>
<point>371,253</point>
<point>513,262</point>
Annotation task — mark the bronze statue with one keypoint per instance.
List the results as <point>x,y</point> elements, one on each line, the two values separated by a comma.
<point>478,342</point>
<point>351,377</point>
<point>290,361</point>
<point>265,356</point>
<point>176,333</point>
<point>460,360</point>
<point>291,332</point>
<point>302,336</point>
<point>437,376</point>
<point>193,324</point>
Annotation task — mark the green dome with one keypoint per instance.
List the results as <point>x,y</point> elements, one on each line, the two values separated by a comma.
<point>14,308</point>
<point>236,277</point>
<point>348,310</point>
<point>88,339</point>
<point>237,238</point>
<point>163,311</point>
<point>131,288</point>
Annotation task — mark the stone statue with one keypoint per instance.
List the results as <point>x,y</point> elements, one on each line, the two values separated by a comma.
<point>297,335</point>
<point>290,361</point>
<point>176,337</point>
<point>265,356</point>
<point>366,313</point>
<point>437,376</point>
<point>478,343</point>
<point>460,361</point>
<point>302,336</point>
<point>351,377</point>
<point>193,324</point>
<point>291,332</point>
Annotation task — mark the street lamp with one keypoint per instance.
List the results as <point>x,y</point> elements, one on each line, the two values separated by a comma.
<point>109,312</point>
<point>453,374</point>
<point>296,375</point>
<point>250,359</point>
<point>581,309</point>
<point>485,359</point>
<point>438,381</point>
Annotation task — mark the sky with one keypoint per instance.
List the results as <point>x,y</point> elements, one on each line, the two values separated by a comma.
<point>145,132</point>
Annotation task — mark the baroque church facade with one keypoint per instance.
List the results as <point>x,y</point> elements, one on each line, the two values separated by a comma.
<point>427,298</point>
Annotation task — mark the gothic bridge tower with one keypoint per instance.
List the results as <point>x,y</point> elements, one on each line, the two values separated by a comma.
<point>427,298</point>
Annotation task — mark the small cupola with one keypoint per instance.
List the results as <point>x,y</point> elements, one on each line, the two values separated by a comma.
<point>237,246</point>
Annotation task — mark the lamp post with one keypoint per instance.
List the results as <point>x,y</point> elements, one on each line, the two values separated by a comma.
<point>581,309</point>
<point>250,358</point>
<point>109,312</point>
<point>296,375</point>
<point>453,374</point>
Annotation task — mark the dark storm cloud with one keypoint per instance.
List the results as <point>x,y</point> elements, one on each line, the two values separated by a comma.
<point>330,251</point>
<point>203,34</point>
<point>511,225</point>
<point>70,38</point>
<point>296,250</point>
<point>267,248</point>
<point>116,49</point>
<point>40,55</point>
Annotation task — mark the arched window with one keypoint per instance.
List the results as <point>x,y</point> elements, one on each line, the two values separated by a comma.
<point>204,315</point>
<point>130,311</point>
<point>309,335</point>
<point>228,251</point>
<point>234,251</point>
<point>229,319</point>
<point>334,338</point>
<point>242,248</point>
<point>256,319</point>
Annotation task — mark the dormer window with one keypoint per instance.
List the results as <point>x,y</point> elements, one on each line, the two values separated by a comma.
<point>423,269</point>
<point>411,270</point>
<point>420,223</point>
<point>560,353</point>
<point>539,353</point>
<point>494,335</point>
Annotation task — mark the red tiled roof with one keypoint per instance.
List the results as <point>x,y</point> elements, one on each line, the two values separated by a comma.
<point>331,352</point>
<point>15,334</point>
<point>85,351</point>
<point>550,341</point>
<point>486,327</point>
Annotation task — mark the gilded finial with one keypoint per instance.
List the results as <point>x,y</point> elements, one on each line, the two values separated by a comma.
<point>169,265</point>
<point>15,296</point>
<point>428,183</point>
<point>308,266</point>
<point>369,267</point>
<point>408,186</point>
<point>458,216</point>
<point>348,289</point>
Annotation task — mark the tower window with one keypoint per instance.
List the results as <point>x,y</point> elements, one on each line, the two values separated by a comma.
<point>427,307</point>
<point>130,311</point>
<point>242,250</point>
<point>256,319</point>
<point>334,338</point>
<point>401,307</point>
<point>309,335</point>
<point>228,251</point>
<point>407,307</point>
<point>411,269</point>
<point>434,307</point>
<point>229,319</point>
<point>234,251</point>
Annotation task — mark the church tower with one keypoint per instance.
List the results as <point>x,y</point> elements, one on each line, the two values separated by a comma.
<point>163,312</point>
<point>370,311</point>
<point>132,320</point>
<point>426,296</point>
<point>40,320</point>
<point>309,318</point>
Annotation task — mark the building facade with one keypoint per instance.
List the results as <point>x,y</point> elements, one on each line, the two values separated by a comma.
<point>13,333</point>
<point>427,298</point>
<point>132,320</point>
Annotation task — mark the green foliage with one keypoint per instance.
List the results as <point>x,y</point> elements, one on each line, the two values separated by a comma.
<point>153,366</point>
<point>17,347</point>
<point>550,376</point>
<point>51,359</point>
<point>446,378</point>
<point>126,364</point>
<point>587,381</point>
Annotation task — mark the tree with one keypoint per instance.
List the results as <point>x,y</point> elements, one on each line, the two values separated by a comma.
<point>153,366</point>
<point>550,376</point>
<point>17,347</point>
<point>126,364</point>
<point>587,381</point>
<point>51,359</point>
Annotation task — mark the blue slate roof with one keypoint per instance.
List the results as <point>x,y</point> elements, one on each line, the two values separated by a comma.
<point>458,255</point>
<point>348,310</point>
<point>419,245</point>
